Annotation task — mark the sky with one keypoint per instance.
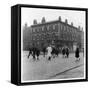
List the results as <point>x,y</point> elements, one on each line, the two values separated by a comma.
<point>29,14</point>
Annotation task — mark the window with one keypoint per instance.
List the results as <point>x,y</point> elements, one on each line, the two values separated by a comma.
<point>41,37</point>
<point>67,28</point>
<point>37,30</point>
<point>37,37</point>
<point>33,30</point>
<point>64,27</point>
<point>61,26</point>
<point>48,27</point>
<point>54,26</point>
<point>33,38</point>
<point>45,28</point>
<point>42,28</point>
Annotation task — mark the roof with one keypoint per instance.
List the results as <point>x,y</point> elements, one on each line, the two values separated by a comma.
<point>52,22</point>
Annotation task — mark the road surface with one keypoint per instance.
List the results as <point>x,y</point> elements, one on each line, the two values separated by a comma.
<point>57,68</point>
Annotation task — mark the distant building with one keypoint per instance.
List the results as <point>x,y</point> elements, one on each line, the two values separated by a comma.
<point>27,37</point>
<point>55,32</point>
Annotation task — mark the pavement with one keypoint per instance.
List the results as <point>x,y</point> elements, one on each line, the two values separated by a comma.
<point>56,68</point>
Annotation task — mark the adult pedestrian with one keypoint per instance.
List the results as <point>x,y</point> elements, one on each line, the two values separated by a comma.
<point>37,53</point>
<point>63,52</point>
<point>67,52</point>
<point>34,52</point>
<point>44,51</point>
<point>77,54</point>
<point>30,52</point>
<point>49,50</point>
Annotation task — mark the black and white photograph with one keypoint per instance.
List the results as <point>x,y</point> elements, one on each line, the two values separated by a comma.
<point>53,44</point>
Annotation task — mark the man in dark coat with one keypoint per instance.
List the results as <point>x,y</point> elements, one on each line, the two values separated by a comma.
<point>30,52</point>
<point>77,53</point>
<point>34,52</point>
<point>63,51</point>
<point>56,51</point>
<point>67,52</point>
<point>37,53</point>
<point>44,51</point>
<point>53,52</point>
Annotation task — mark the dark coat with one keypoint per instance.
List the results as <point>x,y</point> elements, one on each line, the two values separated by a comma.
<point>67,51</point>
<point>44,50</point>
<point>77,53</point>
<point>53,50</point>
<point>63,51</point>
<point>37,52</point>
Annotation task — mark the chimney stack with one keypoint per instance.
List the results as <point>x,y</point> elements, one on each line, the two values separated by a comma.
<point>35,22</point>
<point>43,20</point>
<point>79,27</point>
<point>59,18</point>
<point>66,21</point>
<point>71,23</point>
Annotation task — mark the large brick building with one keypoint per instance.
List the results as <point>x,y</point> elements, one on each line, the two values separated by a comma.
<point>55,32</point>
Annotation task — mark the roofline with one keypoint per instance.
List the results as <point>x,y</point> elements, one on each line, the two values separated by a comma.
<point>57,21</point>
